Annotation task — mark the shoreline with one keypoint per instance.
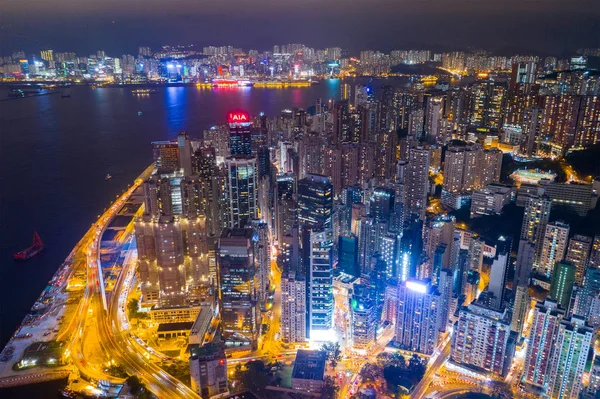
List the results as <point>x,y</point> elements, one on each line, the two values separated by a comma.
<point>44,321</point>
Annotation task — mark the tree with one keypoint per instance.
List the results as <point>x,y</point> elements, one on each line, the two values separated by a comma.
<point>254,378</point>
<point>387,359</point>
<point>132,308</point>
<point>370,372</point>
<point>416,368</point>
<point>334,352</point>
<point>330,389</point>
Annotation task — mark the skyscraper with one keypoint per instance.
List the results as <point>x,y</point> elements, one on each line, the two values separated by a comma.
<point>520,309</point>
<point>171,234</point>
<point>535,219</point>
<point>315,201</point>
<point>542,339</point>
<point>320,295</point>
<point>240,133</point>
<point>497,282</point>
<point>242,186</point>
<point>348,254</point>
<point>573,343</point>
<point>482,338</point>
<point>554,245</point>
<point>563,278</point>
<point>417,180</point>
<point>237,285</point>
<point>363,317</point>
<point>577,253</point>
<point>293,308</point>
<point>418,318</point>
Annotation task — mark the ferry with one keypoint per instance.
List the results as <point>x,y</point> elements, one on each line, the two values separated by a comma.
<point>36,247</point>
<point>143,91</point>
<point>219,82</point>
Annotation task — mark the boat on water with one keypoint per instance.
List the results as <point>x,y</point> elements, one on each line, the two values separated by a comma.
<point>220,82</point>
<point>108,177</point>
<point>141,92</point>
<point>36,247</point>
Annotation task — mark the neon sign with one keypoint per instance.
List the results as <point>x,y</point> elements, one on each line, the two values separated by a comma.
<point>238,117</point>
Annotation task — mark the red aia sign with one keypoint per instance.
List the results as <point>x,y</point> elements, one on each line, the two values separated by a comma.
<point>238,117</point>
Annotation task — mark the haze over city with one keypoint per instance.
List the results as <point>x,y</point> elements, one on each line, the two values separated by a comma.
<point>543,26</point>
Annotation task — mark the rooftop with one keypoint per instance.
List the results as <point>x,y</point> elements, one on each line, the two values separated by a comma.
<point>310,365</point>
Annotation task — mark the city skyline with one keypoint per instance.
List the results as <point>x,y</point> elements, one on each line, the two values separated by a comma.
<point>360,218</point>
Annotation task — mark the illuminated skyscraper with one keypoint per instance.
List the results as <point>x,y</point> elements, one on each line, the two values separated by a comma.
<point>554,245</point>
<point>171,234</point>
<point>238,285</point>
<point>573,343</point>
<point>577,253</point>
<point>417,180</point>
<point>563,278</point>
<point>320,295</point>
<point>363,316</point>
<point>240,133</point>
<point>482,338</point>
<point>418,317</point>
<point>242,186</point>
<point>315,201</point>
<point>542,339</point>
<point>535,219</point>
<point>293,308</point>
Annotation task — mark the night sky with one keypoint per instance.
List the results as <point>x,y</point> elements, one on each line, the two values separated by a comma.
<point>119,26</point>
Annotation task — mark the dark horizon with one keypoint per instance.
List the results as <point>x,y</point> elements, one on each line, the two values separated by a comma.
<point>543,27</point>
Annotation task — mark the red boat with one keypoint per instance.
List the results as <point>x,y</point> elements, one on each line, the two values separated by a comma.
<point>33,250</point>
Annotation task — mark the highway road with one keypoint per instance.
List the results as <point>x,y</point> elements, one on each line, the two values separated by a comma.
<point>119,345</point>
<point>435,363</point>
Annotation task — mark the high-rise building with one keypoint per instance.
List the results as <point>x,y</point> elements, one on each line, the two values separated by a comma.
<point>293,308</point>
<point>524,263</point>
<point>171,235</point>
<point>535,219</point>
<point>47,55</point>
<point>577,253</point>
<point>482,338</point>
<point>320,295</point>
<point>587,300</point>
<point>208,371</point>
<point>363,317</point>
<point>497,282</point>
<point>348,254</point>
<point>594,261</point>
<point>315,201</point>
<point>417,180</point>
<point>520,309</point>
<point>237,284</point>
<point>418,316</point>
<point>563,278</point>
<point>285,206</point>
<point>542,339</point>
<point>242,186</point>
<point>572,346</point>
<point>460,168</point>
<point>554,245</point>
<point>381,203</point>
<point>240,133</point>
<point>594,382</point>
<point>532,126</point>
